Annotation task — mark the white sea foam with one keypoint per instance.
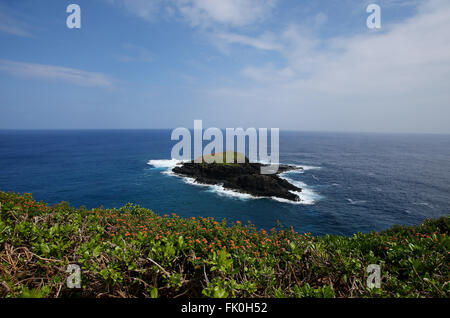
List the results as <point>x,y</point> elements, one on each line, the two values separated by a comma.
<point>428,205</point>
<point>307,195</point>
<point>302,167</point>
<point>166,164</point>
<point>355,202</point>
<point>296,171</point>
<point>219,189</point>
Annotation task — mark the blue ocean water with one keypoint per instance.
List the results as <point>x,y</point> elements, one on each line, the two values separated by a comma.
<point>355,182</point>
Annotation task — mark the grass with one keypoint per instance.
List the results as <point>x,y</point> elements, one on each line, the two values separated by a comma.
<point>221,158</point>
<point>132,252</point>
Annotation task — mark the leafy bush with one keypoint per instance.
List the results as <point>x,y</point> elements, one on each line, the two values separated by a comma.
<point>132,252</point>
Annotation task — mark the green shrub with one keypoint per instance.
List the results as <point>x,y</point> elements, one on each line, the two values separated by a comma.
<point>133,252</point>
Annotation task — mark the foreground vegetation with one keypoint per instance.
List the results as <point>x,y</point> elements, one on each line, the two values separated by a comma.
<point>132,252</point>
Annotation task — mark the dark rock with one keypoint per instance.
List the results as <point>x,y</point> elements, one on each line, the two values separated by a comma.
<point>241,177</point>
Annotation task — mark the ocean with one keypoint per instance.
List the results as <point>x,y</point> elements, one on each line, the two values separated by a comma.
<point>352,182</point>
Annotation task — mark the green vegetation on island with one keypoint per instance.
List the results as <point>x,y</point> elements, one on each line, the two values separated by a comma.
<point>133,252</point>
<point>224,158</point>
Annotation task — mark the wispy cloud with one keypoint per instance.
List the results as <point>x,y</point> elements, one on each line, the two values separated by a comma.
<point>11,24</point>
<point>266,41</point>
<point>201,13</point>
<point>56,73</point>
<point>227,12</point>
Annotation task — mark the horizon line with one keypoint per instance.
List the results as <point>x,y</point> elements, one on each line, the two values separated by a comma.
<point>281,130</point>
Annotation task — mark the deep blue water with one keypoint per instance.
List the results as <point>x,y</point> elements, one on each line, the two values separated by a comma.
<point>361,182</point>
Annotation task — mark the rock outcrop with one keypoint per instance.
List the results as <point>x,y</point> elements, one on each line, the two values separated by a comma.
<point>242,177</point>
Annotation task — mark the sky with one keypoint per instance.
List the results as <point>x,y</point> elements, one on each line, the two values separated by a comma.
<point>310,65</point>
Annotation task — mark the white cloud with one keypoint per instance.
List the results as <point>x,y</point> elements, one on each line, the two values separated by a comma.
<point>226,12</point>
<point>395,80</point>
<point>295,43</point>
<point>57,73</point>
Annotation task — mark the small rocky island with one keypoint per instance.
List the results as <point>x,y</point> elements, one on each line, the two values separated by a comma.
<point>241,177</point>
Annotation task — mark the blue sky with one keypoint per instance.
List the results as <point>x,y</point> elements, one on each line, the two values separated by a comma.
<point>301,65</point>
